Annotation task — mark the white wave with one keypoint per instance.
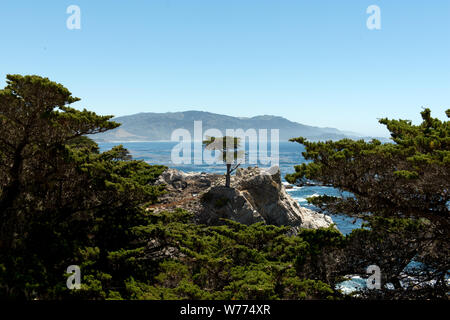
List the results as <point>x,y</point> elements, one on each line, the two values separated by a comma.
<point>299,199</point>
<point>355,283</point>
<point>294,188</point>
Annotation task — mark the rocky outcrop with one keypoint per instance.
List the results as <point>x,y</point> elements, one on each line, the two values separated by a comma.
<point>255,195</point>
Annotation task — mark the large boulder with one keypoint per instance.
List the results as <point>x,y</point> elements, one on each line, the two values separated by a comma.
<point>255,195</point>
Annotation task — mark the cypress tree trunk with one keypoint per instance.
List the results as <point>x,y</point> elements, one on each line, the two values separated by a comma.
<point>228,176</point>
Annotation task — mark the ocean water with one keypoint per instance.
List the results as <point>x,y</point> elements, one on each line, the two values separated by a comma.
<point>290,154</point>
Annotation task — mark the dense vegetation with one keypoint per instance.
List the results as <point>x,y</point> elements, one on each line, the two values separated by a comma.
<point>402,190</point>
<point>63,202</point>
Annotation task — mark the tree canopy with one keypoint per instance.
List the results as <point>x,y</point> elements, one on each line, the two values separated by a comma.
<point>64,202</point>
<point>230,154</point>
<point>59,196</point>
<point>401,189</point>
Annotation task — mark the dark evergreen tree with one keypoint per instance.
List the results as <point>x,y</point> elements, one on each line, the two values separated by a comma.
<point>401,190</point>
<point>60,198</point>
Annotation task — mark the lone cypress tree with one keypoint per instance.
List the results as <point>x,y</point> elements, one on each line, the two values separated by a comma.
<point>229,152</point>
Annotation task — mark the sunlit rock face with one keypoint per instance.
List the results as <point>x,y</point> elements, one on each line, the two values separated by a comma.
<point>255,195</point>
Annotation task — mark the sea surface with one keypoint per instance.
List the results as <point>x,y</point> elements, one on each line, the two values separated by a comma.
<point>290,154</point>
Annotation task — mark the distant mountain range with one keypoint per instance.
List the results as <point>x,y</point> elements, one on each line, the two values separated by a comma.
<point>159,126</point>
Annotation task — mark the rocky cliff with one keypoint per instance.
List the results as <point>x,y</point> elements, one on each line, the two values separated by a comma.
<point>254,196</point>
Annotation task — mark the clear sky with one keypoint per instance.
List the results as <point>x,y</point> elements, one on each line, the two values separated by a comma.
<point>313,62</point>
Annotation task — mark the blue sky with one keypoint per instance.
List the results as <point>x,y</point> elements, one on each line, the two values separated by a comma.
<point>313,62</point>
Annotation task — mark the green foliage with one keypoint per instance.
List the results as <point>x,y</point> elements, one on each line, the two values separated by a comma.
<point>398,188</point>
<point>62,202</point>
<point>232,261</point>
<point>229,151</point>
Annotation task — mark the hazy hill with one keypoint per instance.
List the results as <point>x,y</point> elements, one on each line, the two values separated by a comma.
<point>159,126</point>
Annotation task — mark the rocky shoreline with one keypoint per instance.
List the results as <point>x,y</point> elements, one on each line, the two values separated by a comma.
<point>255,196</point>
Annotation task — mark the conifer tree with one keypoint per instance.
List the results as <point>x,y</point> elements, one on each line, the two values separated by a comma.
<point>401,189</point>
<point>62,202</point>
<point>230,154</point>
